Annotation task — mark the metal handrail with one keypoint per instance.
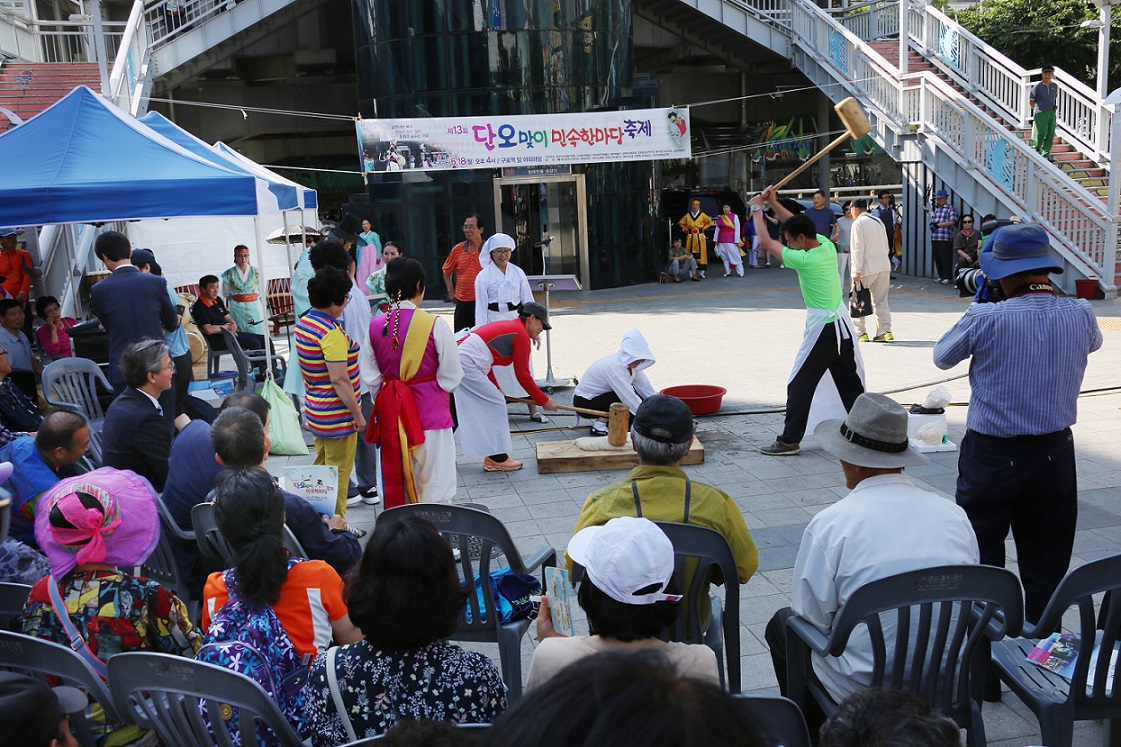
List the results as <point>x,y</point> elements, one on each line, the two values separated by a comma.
<point>36,41</point>
<point>130,67</point>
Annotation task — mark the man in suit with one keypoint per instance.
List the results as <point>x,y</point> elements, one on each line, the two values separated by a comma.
<point>131,306</point>
<point>135,435</point>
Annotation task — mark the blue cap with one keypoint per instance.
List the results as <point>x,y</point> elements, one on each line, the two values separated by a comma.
<point>7,232</point>
<point>940,194</point>
<point>1016,248</point>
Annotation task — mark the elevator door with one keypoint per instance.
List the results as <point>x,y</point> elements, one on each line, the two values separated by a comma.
<point>535,210</point>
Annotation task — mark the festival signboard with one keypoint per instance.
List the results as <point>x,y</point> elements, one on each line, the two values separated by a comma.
<point>531,140</point>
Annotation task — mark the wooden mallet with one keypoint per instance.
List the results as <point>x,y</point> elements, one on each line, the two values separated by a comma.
<point>856,126</point>
<point>617,418</point>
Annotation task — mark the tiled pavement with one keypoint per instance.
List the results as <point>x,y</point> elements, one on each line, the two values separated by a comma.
<point>742,334</point>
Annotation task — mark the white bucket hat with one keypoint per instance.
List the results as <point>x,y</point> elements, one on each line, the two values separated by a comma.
<point>625,556</point>
<point>498,241</point>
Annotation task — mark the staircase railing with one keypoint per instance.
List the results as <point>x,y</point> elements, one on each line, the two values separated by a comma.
<point>1004,85</point>
<point>922,102</point>
<point>130,80</point>
<point>171,18</point>
<point>32,40</point>
<point>871,20</point>
<point>64,251</point>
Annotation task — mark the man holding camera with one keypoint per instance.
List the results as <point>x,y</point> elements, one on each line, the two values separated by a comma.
<point>1016,466</point>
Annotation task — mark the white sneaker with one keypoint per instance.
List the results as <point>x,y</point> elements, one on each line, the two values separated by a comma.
<point>598,428</point>
<point>538,418</point>
<point>370,496</point>
<point>356,500</point>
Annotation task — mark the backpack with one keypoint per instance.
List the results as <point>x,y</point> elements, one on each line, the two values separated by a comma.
<point>249,639</point>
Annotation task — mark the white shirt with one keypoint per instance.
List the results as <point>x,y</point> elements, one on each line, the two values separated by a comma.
<point>886,525</point>
<point>494,286</point>
<point>449,371</point>
<point>869,246</point>
<point>611,373</point>
<point>155,402</point>
<point>356,323</point>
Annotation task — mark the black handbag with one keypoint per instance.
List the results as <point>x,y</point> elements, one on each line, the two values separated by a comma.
<point>860,301</point>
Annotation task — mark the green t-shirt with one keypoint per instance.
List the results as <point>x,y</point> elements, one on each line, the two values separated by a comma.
<point>817,274</point>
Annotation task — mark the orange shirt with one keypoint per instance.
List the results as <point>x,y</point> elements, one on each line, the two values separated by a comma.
<point>465,266</point>
<point>312,596</point>
<point>15,264</point>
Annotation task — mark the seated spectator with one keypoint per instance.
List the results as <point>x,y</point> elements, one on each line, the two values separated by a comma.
<point>307,596</point>
<point>34,714</point>
<point>681,264</point>
<point>871,717</point>
<point>659,490</point>
<point>886,525</point>
<point>406,597</point>
<point>136,435</point>
<point>617,377</point>
<point>52,333</point>
<point>967,244</point>
<point>628,566</point>
<point>240,438</point>
<point>211,316</point>
<point>19,412</point>
<point>39,463</point>
<point>622,699</point>
<point>90,527</point>
<point>25,365</point>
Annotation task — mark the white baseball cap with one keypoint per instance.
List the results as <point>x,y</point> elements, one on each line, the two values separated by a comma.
<point>625,556</point>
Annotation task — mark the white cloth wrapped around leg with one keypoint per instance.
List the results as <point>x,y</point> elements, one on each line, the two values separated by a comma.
<point>484,427</point>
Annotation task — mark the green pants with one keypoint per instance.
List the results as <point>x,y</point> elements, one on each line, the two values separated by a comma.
<point>1044,126</point>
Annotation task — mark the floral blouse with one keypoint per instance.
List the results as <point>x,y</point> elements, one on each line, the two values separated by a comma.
<point>439,682</point>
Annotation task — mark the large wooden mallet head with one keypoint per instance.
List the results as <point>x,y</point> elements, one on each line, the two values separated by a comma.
<point>856,126</point>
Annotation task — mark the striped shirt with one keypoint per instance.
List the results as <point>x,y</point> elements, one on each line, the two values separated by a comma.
<point>319,339</point>
<point>1028,359</point>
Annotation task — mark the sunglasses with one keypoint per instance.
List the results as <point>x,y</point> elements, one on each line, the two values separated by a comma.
<point>967,223</point>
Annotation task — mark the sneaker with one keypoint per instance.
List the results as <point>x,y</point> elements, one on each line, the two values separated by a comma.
<point>538,418</point>
<point>354,501</point>
<point>598,428</point>
<point>780,448</point>
<point>702,273</point>
<point>945,281</point>
<point>863,338</point>
<point>358,533</point>
<point>885,337</point>
<point>727,274</point>
<point>370,495</point>
<point>510,465</point>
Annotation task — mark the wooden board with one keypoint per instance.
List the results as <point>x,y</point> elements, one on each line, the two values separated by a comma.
<point>565,456</point>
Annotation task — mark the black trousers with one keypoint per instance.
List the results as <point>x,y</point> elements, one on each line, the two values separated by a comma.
<point>775,635</point>
<point>1027,484</point>
<point>601,402</point>
<point>464,315</point>
<point>943,259</point>
<point>181,382</point>
<point>823,358</point>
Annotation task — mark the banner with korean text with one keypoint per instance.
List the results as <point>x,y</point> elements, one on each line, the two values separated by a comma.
<point>445,143</point>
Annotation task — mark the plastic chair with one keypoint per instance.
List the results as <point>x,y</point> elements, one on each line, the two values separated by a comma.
<point>215,349</point>
<point>246,378</point>
<point>1054,700</point>
<point>214,546</point>
<point>37,657</point>
<point>708,548</point>
<point>778,721</point>
<point>471,529</point>
<point>73,383</point>
<point>13,598</point>
<point>93,458</point>
<point>941,615</point>
<point>164,692</point>
<point>161,566</point>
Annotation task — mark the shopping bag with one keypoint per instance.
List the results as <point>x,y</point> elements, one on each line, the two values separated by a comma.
<point>860,300</point>
<point>284,429</point>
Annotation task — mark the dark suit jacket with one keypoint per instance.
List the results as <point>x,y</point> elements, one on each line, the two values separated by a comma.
<point>136,437</point>
<point>131,305</point>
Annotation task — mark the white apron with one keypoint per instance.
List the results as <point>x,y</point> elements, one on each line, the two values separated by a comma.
<point>826,404</point>
<point>484,428</point>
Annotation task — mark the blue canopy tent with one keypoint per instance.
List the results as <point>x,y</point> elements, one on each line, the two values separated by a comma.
<point>83,160</point>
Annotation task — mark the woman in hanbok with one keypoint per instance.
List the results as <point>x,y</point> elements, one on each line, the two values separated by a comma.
<point>242,285</point>
<point>369,256</point>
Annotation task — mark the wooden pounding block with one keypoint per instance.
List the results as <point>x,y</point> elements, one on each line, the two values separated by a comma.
<point>565,456</point>
<point>617,424</point>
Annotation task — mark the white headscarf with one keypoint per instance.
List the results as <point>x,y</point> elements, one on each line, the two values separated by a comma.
<point>498,241</point>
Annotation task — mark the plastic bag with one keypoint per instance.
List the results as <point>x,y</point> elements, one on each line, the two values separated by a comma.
<point>284,430</point>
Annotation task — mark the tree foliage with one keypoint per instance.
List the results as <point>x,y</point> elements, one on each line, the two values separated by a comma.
<point>1035,33</point>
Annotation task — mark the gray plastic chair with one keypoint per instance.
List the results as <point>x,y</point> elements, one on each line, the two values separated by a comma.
<point>13,598</point>
<point>246,373</point>
<point>481,536</point>
<point>214,546</point>
<point>1054,700</point>
<point>161,566</point>
<point>778,721</point>
<point>164,692</point>
<point>710,549</point>
<point>948,611</point>
<point>73,383</point>
<point>37,657</point>
<point>93,458</point>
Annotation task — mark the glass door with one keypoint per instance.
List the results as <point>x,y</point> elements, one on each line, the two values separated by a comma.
<point>547,217</point>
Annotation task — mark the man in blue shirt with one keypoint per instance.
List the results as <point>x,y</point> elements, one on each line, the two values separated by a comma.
<point>1028,356</point>
<point>1042,101</point>
<point>825,220</point>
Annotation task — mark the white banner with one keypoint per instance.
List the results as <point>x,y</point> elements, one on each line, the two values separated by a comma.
<point>446,143</point>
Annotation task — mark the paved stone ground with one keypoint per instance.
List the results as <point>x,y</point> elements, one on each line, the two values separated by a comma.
<point>742,334</point>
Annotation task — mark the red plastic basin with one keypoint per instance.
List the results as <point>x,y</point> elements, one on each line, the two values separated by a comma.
<point>703,399</point>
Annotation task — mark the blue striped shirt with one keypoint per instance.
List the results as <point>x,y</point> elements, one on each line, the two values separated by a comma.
<point>1029,356</point>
